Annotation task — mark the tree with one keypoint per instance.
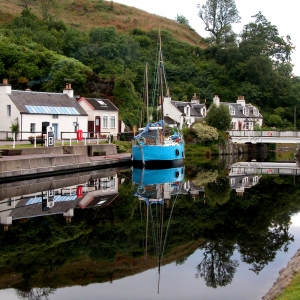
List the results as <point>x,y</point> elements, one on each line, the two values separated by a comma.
<point>182,20</point>
<point>218,15</point>
<point>262,38</point>
<point>47,7</point>
<point>25,3</point>
<point>218,117</point>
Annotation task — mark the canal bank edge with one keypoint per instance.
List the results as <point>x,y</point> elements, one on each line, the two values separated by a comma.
<point>285,277</point>
<point>39,162</point>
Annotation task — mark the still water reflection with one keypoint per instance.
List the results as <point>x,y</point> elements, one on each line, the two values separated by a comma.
<point>193,233</point>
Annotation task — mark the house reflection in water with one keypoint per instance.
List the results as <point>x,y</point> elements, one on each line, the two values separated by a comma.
<point>53,196</point>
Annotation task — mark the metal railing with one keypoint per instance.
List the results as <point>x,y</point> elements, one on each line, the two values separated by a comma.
<point>87,137</point>
<point>39,137</point>
<point>263,133</point>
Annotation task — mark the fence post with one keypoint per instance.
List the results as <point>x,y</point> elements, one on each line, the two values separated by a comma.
<point>14,140</point>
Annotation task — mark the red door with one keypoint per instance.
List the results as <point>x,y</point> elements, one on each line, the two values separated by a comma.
<point>97,124</point>
<point>91,128</point>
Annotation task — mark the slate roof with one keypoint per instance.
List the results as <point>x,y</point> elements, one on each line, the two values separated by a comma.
<point>238,181</point>
<point>195,110</point>
<point>35,210</point>
<point>102,104</point>
<point>23,99</point>
<point>239,111</point>
<point>169,120</point>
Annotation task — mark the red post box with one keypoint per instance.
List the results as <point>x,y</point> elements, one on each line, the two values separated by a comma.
<point>79,135</point>
<point>79,191</point>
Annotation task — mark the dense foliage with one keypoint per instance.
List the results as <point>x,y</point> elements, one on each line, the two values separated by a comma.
<point>44,53</point>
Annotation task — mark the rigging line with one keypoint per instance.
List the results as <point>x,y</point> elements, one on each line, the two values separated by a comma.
<point>153,229</point>
<point>172,210</point>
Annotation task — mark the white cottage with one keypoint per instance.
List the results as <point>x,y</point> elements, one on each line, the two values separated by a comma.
<point>244,116</point>
<point>103,116</point>
<point>30,110</point>
<point>184,113</point>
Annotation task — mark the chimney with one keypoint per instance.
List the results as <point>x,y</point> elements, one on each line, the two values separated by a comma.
<point>68,90</point>
<point>195,100</point>
<point>216,100</point>
<point>241,101</point>
<point>5,88</point>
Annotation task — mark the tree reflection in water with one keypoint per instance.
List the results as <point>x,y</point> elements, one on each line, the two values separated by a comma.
<point>109,241</point>
<point>35,294</point>
<point>217,268</point>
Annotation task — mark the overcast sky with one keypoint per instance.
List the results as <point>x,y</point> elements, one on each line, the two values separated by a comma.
<point>283,14</point>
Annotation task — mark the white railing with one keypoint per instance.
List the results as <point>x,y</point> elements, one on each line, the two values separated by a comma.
<point>86,137</point>
<point>263,133</point>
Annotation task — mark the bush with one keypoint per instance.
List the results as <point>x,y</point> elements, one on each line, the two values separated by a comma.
<point>205,133</point>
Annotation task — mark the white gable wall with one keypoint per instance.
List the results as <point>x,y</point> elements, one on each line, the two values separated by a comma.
<point>6,120</point>
<point>171,111</point>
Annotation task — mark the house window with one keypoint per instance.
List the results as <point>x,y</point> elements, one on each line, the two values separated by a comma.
<point>54,116</point>
<point>112,183</point>
<point>9,110</point>
<point>232,110</point>
<point>232,181</point>
<point>255,179</point>
<point>233,124</point>
<point>32,127</point>
<point>246,126</point>
<point>246,111</point>
<point>245,180</point>
<point>105,121</point>
<point>204,112</point>
<point>187,111</point>
<point>255,111</point>
<point>112,122</point>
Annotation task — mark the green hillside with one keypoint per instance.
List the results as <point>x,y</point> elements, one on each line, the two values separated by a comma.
<point>103,47</point>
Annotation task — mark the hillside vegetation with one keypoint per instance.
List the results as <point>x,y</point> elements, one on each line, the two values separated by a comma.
<point>85,15</point>
<point>102,47</point>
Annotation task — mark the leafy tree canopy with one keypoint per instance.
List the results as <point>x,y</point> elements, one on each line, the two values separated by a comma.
<point>218,117</point>
<point>218,17</point>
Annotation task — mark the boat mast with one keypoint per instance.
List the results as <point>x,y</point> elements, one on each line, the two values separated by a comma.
<point>147,94</point>
<point>161,85</point>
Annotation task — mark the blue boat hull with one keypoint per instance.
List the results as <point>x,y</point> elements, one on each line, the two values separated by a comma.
<point>149,177</point>
<point>158,156</point>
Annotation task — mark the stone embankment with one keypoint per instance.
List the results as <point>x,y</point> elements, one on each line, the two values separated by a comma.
<point>285,277</point>
<point>39,162</point>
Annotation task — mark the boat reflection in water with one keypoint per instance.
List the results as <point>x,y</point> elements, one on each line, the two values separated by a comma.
<point>158,189</point>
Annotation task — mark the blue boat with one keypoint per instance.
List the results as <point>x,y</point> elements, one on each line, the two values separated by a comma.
<point>152,186</point>
<point>152,147</point>
<point>157,189</point>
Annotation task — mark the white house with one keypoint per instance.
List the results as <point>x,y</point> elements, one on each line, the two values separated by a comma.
<point>184,113</point>
<point>103,116</point>
<point>31,110</point>
<point>244,116</point>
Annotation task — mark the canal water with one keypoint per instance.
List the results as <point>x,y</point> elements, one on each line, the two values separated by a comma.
<point>183,233</point>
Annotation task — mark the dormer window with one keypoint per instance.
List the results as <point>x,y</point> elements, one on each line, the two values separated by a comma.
<point>246,111</point>
<point>232,181</point>
<point>187,110</point>
<point>245,180</point>
<point>232,110</point>
<point>255,111</point>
